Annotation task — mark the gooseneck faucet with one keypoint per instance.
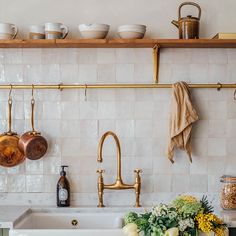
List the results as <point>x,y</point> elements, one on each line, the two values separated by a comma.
<point>119,184</point>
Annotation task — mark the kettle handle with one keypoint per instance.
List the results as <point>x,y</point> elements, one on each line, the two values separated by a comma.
<point>193,4</point>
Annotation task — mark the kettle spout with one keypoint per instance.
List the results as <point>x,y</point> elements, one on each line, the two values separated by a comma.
<point>175,22</point>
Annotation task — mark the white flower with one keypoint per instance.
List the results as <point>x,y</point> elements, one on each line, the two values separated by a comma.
<point>172,232</point>
<point>160,210</point>
<point>184,224</point>
<point>172,214</point>
<point>131,229</point>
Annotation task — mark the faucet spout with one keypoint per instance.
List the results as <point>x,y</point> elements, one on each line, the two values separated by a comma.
<point>118,155</point>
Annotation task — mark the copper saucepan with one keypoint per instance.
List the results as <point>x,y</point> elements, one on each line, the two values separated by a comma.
<point>31,143</point>
<point>10,154</point>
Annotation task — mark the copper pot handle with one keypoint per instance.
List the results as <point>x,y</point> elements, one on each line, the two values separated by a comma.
<point>32,114</point>
<point>9,111</point>
<point>32,110</point>
<point>193,4</point>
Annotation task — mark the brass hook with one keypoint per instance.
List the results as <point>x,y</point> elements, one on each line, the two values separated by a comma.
<point>32,92</point>
<point>10,91</point>
<point>219,86</point>
<point>85,93</point>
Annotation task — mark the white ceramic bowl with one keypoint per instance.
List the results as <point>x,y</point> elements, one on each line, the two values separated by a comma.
<point>139,28</point>
<point>130,35</point>
<point>132,31</point>
<point>94,31</point>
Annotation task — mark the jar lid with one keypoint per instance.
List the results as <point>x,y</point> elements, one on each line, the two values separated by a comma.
<point>228,178</point>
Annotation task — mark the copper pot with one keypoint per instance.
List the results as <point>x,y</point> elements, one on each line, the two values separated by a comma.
<point>10,154</point>
<point>32,144</point>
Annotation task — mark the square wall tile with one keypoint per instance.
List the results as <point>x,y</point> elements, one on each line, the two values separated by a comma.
<point>198,183</point>
<point>106,56</point>
<point>216,147</point>
<point>34,183</point>
<point>125,128</point>
<point>87,73</point>
<point>180,183</point>
<point>3,183</point>
<point>124,55</point>
<point>124,73</point>
<point>87,56</point>
<point>106,73</point>
<point>16,183</point>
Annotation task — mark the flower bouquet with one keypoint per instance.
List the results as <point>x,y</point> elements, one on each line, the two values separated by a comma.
<point>184,216</point>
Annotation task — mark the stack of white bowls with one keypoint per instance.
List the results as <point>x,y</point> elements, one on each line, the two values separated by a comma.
<point>132,31</point>
<point>94,31</point>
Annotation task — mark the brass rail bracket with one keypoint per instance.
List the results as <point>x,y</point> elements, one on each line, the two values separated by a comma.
<point>156,59</point>
<point>219,86</point>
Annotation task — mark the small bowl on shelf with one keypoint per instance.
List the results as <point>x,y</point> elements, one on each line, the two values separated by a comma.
<point>94,31</point>
<point>131,31</point>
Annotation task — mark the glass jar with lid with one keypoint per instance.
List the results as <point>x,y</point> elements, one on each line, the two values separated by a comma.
<point>228,192</point>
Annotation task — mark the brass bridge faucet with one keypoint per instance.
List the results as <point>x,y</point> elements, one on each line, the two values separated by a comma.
<point>118,185</point>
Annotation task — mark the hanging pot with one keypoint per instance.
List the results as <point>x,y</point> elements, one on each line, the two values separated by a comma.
<point>31,143</point>
<point>10,154</point>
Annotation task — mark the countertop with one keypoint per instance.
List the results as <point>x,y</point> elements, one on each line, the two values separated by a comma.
<point>9,215</point>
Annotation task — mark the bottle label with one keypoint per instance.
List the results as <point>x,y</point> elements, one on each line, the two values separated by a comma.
<point>63,194</point>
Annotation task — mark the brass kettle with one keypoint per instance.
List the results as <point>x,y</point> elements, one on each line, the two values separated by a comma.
<point>188,26</point>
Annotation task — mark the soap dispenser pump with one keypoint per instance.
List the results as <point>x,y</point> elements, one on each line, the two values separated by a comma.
<point>63,189</point>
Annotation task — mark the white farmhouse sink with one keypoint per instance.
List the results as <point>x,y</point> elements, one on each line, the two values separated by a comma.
<point>58,222</point>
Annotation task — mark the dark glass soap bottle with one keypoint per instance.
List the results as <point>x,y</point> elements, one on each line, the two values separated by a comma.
<point>63,189</point>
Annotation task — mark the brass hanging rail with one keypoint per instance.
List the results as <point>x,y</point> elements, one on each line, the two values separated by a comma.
<point>109,86</point>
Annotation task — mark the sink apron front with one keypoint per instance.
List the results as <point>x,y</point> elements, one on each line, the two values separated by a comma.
<point>67,232</point>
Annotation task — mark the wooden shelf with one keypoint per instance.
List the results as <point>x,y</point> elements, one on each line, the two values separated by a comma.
<point>117,43</point>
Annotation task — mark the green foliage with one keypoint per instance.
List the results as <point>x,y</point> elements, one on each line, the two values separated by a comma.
<point>207,208</point>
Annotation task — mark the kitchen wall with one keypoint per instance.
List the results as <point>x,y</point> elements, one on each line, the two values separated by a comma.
<point>217,15</point>
<point>73,123</point>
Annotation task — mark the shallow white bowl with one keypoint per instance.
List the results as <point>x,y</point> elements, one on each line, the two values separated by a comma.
<point>94,31</point>
<point>135,28</point>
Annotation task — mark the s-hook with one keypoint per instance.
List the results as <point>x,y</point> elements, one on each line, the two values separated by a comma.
<point>10,91</point>
<point>235,94</point>
<point>85,92</point>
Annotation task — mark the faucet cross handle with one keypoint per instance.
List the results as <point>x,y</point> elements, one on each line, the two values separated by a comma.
<point>137,171</point>
<point>100,172</point>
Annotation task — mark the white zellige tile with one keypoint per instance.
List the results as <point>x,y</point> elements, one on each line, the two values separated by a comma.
<point>125,55</point>
<point>34,183</point>
<point>69,73</point>
<point>32,55</point>
<point>125,128</point>
<point>124,73</point>
<point>106,56</point>
<point>218,56</point>
<point>16,183</point>
<point>88,128</point>
<point>87,73</point>
<point>106,73</point>
<point>87,56</point>
<point>70,128</point>
<point>216,147</point>
<point>3,183</point>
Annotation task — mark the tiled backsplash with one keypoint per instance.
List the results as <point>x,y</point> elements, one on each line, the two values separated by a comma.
<point>73,124</point>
